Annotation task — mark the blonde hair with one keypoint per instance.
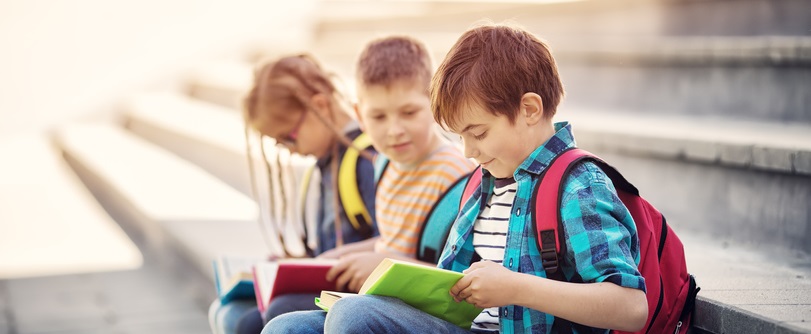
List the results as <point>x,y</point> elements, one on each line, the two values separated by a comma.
<point>289,83</point>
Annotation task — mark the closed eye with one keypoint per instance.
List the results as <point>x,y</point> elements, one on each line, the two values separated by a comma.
<point>480,136</point>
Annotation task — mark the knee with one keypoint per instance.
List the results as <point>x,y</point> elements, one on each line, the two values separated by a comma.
<point>351,315</point>
<point>295,322</point>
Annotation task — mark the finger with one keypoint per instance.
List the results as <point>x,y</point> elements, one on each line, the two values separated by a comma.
<point>336,270</point>
<point>343,280</point>
<point>355,284</point>
<point>456,289</point>
<point>465,294</point>
<point>462,283</point>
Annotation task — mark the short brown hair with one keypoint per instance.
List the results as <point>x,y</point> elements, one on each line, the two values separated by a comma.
<point>493,66</point>
<point>388,60</point>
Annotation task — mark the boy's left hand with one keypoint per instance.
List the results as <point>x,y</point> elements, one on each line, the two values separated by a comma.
<point>485,284</point>
<point>353,269</point>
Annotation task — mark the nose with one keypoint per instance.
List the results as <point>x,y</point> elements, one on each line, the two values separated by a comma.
<point>471,152</point>
<point>395,128</point>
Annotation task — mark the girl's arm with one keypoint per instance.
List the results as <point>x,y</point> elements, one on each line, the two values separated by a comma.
<point>367,245</point>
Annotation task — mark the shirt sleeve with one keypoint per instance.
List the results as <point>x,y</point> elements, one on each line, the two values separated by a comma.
<point>601,238</point>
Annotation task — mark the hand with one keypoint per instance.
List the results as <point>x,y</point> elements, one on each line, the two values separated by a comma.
<point>353,269</point>
<point>485,284</point>
<point>331,254</point>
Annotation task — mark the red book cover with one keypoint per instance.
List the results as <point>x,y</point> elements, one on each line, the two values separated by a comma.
<point>275,278</point>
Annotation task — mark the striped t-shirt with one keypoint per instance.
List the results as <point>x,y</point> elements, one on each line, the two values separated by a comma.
<point>490,238</point>
<point>405,195</point>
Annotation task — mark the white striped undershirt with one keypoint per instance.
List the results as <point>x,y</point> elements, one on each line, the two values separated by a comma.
<point>490,238</point>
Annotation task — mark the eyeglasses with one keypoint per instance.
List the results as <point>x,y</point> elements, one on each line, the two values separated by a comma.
<point>291,138</point>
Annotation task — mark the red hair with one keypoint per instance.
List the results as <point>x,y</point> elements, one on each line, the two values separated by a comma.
<point>492,67</point>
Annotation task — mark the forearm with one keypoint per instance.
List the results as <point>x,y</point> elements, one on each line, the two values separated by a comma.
<point>367,245</point>
<point>602,305</point>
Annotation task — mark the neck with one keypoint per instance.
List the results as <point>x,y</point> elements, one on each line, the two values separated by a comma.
<point>538,136</point>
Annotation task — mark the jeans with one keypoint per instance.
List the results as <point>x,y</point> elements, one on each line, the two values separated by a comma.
<point>242,316</point>
<point>362,314</point>
<point>224,319</point>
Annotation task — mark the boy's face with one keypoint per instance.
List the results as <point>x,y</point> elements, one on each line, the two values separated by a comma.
<point>399,121</point>
<point>497,145</point>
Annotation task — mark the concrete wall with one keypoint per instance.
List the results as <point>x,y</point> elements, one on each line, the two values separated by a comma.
<point>61,60</point>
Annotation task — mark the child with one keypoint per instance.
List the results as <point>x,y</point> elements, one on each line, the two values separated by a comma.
<point>498,88</point>
<point>294,102</point>
<point>394,109</point>
<point>393,76</point>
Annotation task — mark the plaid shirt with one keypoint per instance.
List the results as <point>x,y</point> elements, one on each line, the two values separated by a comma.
<point>600,233</point>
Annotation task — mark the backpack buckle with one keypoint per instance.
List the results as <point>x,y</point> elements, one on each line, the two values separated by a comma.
<point>549,255</point>
<point>549,260</point>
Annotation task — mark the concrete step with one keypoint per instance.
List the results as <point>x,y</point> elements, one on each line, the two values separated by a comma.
<point>206,134</point>
<point>49,223</point>
<point>175,208</point>
<point>630,18</point>
<point>681,64</point>
<point>744,290</point>
<point>223,82</point>
<point>740,182</point>
<point>213,137</point>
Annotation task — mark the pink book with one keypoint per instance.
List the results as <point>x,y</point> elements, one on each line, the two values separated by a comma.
<point>276,278</point>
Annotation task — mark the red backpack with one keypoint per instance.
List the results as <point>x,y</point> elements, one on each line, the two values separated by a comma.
<point>671,290</point>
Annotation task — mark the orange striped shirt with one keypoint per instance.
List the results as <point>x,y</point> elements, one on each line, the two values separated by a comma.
<point>405,195</point>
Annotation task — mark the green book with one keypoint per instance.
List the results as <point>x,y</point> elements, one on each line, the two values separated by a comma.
<point>423,287</point>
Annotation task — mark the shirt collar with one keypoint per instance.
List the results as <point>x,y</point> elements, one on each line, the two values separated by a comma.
<point>539,159</point>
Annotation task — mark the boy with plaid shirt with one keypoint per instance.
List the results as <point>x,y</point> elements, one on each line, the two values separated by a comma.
<point>498,88</point>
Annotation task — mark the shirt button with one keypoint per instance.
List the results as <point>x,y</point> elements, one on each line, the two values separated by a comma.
<point>505,312</point>
<point>518,212</point>
<point>511,263</point>
<point>453,248</point>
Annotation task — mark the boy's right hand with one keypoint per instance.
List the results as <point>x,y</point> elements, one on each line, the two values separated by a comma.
<point>353,269</point>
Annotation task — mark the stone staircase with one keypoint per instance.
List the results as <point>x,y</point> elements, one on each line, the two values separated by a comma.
<point>715,131</point>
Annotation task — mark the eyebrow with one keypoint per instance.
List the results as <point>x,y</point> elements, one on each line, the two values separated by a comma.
<point>470,127</point>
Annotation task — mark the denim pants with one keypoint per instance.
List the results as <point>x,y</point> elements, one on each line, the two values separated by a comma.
<point>362,314</point>
<point>242,316</point>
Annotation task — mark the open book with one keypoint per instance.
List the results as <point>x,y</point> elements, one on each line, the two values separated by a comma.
<point>233,278</point>
<point>275,278</point>
<point>423,287</point>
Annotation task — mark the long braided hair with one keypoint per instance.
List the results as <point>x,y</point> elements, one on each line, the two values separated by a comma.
<point>289,84</point>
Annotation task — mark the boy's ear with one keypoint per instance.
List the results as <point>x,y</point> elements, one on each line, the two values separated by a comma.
<point>532,108</point>
<point>356,108</point>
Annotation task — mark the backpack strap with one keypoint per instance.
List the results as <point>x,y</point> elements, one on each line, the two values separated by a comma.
<point>348,191</point>
<point>438,222</point>
<point>473,183</point>
<point>546,199</point>
<point>381,164</point>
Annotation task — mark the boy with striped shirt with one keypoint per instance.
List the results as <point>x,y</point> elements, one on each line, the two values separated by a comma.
<point>498,88</point>
<point>393,77</point>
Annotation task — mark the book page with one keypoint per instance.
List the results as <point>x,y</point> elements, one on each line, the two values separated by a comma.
<point>265,276</point>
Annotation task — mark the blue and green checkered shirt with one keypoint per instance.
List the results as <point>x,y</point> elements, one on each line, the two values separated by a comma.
<point>601,239</point>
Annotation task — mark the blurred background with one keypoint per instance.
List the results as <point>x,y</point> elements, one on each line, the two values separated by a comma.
<point>124,174</point>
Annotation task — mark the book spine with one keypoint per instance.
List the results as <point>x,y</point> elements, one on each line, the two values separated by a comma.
<point>259,302</point>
